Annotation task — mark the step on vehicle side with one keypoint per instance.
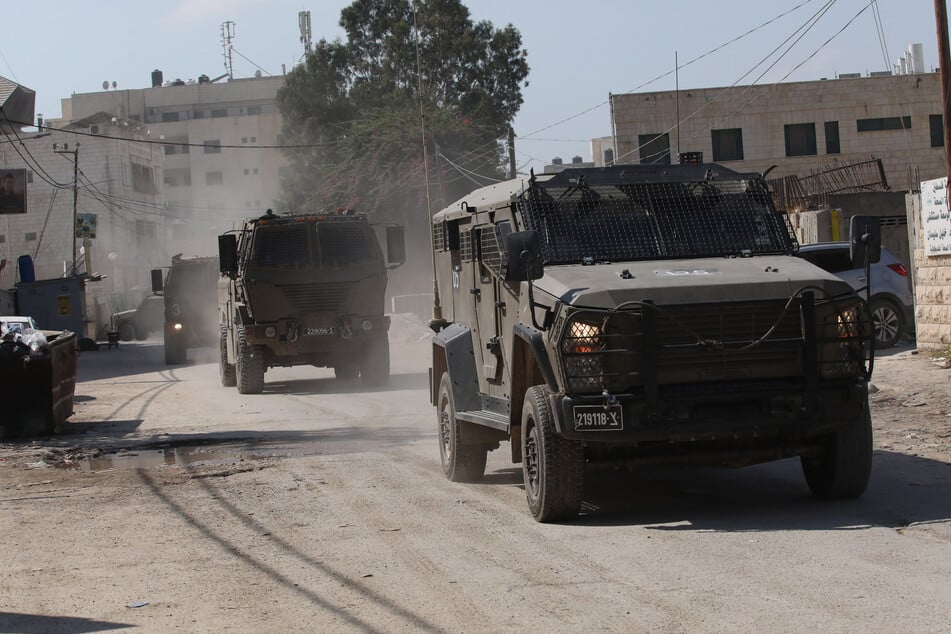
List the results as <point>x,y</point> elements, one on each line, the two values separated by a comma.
<point>643,313</point>
<point>305,289</point>
<point>190,294</point>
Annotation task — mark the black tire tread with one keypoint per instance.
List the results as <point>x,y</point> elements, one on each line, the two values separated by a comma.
<point>844,468</point>
<point>466,462</point>
<point>227,370</point>
<point>561,463</point>
<point>249,366</point>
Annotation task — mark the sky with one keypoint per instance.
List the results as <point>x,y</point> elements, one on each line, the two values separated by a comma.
<point>579,52</point>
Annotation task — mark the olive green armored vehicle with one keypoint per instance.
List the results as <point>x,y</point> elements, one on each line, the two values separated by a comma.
<point>189,291</point>
<point>305,290</point>
<point>643,314</point>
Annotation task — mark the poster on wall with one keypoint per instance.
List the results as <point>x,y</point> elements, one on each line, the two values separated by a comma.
<point>85,226</point>
<point>12,191</point>
<point>936,217</point>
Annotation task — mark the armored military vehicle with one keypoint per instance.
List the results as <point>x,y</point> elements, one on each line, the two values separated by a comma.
<point>305,290</point>
<point>190,291</point>
<point>643,313</point>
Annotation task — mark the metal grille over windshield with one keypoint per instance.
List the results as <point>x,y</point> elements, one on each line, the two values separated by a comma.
<point>280,246</point>
<point>602,219</point>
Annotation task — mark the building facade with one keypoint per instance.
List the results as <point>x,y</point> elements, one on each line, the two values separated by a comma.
<point>799,127</point>
<point>218,139</point>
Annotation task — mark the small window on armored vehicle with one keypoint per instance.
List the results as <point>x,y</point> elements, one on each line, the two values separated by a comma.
<point>280,246</point>
<point>346,244</point>
<point>490,251</point>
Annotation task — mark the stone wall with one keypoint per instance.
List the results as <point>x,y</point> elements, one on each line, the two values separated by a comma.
<point>932,282</point>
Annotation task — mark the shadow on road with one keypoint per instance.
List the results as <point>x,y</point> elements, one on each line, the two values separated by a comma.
<point>904,490</point>
<point>330,385</point>
<point>30,623</point>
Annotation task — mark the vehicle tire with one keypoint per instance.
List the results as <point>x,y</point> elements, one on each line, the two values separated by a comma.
<point>226,370</point>
<point>175,350</point>
<point>249,366</point>
<point>888,323</point>
<point>553,467</point>
<point>460,462</point>
<point>346,370</point>
<point>375,364</point>
<point>843,468</point>
<point>126,331</point>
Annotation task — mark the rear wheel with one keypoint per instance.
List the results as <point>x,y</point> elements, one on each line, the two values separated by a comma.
<point>126,331</point>
<point>843,467</point>
<point>250,366</point>
<point>375,364</point>
<point>175,350</point>
<point>346,370</point>
<point>226,370</point>
<point>460,462</point>
<point>888,323</point>
<point>553,467</point>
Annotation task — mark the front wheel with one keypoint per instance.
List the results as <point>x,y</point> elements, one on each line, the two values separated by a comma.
<point>553,467</point>
<point>461,462</point>
<point>375,364</point>
<point>843,467</point>
<point>175,349</point>
<point>250,366</point>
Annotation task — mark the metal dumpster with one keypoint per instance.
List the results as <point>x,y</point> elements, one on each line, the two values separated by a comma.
<point>37,396</point>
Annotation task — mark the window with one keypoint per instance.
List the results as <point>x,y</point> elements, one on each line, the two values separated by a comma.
<point>142,179</point>
<point>212,146</point>
<point>654,148</point>
<point>254,110</point>
<point>218,113</point>
<point>254,139</point>
<point>145,232</point>
<point>246,171</point>
<point>254,171</point>
<point>244,139</point>
<point>214,178</point>
<point>3,239</point>
<point>832,260</point>
<point>169,116</point>
<point>169,149</point>
<point>936,122</point>
<point>30,237</point>
<point>727,144</point>
<point>883,123</point>
<point>800,139</point>
<point>198,114</point>
<point>832,137</point>
<point>609,157</point>
<point>29,176</point>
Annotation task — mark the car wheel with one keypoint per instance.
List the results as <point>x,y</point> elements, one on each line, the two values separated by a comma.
<point>126,332</point>
<point>553,466</point>
<point>175,351</point>
<point>461,462</point>
<point>887,323</point>
<point>842,468</point>
<point>375,364</point>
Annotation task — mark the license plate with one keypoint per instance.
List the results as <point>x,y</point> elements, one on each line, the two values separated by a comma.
<point>315,332</point>
<point>598,418</point>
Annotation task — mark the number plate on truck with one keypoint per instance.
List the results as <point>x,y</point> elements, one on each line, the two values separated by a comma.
<point>313,332</point>
<point>598,418</point>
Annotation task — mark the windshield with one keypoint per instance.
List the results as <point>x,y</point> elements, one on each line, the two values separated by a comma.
<point>328,244</point>
<point>580,222</point>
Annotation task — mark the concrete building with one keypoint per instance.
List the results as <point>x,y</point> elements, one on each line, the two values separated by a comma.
<point>218,139</point>
<point>799,127</point>
<point>117,201</point>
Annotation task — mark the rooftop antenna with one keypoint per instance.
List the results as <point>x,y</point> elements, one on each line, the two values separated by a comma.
<point>303,20</point>
<point>227,34</point>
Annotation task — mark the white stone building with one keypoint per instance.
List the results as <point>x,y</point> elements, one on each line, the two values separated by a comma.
<point>220,165</point>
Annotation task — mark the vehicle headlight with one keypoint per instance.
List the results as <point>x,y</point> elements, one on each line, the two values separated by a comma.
<point>583,337</point>
<point>177,326</point>
<point>845,335</point>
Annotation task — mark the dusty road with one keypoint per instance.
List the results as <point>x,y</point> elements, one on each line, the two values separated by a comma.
<point>321,507</point>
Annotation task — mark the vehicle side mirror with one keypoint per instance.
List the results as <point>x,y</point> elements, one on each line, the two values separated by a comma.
<point>865,240</point>
<point>157,281</point>
<point>228,254</point>
<point>395,246</point>
<point>523,259</point>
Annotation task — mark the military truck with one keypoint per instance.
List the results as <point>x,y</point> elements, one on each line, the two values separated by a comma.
<point>305,289</point>
<point>643,314</point>
<point>190,293</point>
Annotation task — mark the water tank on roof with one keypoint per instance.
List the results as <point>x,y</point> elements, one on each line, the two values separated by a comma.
<point>577,160</point>
<point>178,82</point>
<point>156,78</point>
<point>204,79</point>
<point>556,161</point>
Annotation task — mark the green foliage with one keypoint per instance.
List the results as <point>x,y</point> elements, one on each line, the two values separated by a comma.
<point>359,102</point>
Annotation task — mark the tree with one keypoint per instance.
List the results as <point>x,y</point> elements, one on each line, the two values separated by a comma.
<point>356,105</point>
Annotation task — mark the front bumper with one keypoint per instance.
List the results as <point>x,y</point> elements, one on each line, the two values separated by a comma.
<point>715,412</point>
<point>292,337</point>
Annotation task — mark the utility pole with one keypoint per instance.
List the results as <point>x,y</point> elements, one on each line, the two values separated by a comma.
<point>227,34</point>
<point>511,152</point>
<point>75,152</point>
<point>944,61</point>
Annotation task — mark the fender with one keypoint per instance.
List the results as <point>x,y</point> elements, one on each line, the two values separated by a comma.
<point>455,342</point>
<point>533,338</point>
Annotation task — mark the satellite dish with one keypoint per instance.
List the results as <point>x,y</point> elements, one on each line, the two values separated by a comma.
<point>105,85</point>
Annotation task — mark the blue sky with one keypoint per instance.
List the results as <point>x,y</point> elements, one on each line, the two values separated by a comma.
<point>579,52</point>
